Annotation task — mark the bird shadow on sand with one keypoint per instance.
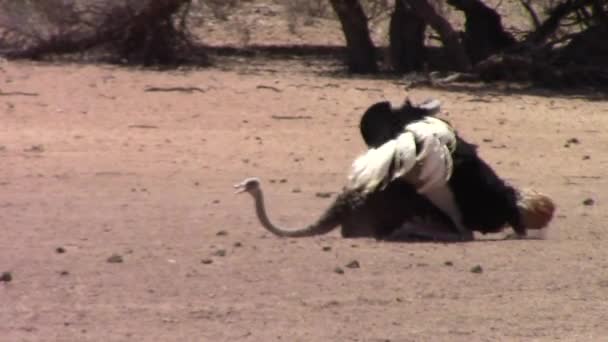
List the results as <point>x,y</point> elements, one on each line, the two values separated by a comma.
<point>421,240</point>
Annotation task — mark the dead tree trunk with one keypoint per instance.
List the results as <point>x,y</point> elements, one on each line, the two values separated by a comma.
<point>361,51</point>
<point>484,33</point>
<point>406,36</point>
<point>449,37</point>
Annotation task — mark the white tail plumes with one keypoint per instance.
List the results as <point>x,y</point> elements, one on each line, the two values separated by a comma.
<point>377,167</point>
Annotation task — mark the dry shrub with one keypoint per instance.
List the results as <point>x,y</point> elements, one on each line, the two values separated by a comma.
<point>133,31</point>
<point>304,12</point>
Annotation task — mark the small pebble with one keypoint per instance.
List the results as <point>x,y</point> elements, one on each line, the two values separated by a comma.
<point>35,148</point>
<point>6,277</point>
<point>115,258</point>
<point>323,194</point>
<point>60,250</point>
<point>238,244</point>
<point>588,202</point>
<point>220,252</point>
<point>353,264</point>
<point>477,269</point>
<point>448,263</point>
<point>338,270</point>
<point>221,233</point>
<point>326,248</point>
<point>206,261</point>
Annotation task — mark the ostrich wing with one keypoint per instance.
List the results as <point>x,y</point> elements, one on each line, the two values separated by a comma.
<point>377,167</point>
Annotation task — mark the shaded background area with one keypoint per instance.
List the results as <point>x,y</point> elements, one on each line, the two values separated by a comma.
<point>555,44</point>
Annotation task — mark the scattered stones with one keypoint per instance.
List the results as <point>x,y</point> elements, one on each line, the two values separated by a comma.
<point>60,250</point>
<point>477,269</point>
<point>338,270</point>
<point>206,261</point>
<point>6,277</point>
<point>115,259</point>
<point>589,202</point>
<point>353,264</point>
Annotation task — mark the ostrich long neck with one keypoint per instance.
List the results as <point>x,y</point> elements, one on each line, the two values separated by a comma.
<point>326,223</point>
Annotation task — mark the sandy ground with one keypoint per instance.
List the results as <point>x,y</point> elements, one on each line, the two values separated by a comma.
<point>96,165</point>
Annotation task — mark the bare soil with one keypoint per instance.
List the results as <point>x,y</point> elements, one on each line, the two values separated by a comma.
<point>118,220</point>
<point>95,164</point>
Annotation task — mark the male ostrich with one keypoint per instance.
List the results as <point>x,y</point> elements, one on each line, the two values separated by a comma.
<point>483,201</point>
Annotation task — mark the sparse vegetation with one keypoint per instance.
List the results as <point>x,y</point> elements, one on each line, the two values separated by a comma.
<point>563,44</point>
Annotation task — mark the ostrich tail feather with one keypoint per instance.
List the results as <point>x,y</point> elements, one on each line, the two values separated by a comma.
<point>535,209</point>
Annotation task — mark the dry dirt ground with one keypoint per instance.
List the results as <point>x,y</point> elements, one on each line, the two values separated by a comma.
<point>94,166</point>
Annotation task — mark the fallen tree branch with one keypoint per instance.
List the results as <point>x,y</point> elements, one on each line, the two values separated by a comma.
<point>269,88</point>
<point>180,89</point>
<point>13,93</point>
<point>288,117</point>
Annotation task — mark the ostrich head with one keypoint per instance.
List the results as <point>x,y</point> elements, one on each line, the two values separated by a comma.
<point>250,185</point>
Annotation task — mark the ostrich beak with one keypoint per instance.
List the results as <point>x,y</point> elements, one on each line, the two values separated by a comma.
<point>240,188</point>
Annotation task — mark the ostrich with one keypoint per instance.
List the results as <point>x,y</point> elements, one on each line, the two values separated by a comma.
<point>477,195</point>
<point>394,213</point>
<point>383,198</point>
